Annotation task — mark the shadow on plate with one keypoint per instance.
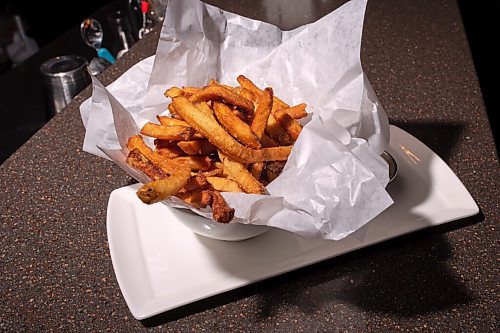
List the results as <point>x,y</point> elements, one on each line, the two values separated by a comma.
<point>441,137</point>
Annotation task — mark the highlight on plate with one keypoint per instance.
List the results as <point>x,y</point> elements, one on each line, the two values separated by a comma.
<point>217,138</point>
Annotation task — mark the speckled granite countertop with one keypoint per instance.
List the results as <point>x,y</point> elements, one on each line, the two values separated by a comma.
<point>56,269</point>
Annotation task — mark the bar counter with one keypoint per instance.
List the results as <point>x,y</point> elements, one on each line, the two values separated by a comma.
<point>57,273</point>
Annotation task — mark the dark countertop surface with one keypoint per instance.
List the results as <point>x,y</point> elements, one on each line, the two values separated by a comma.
<point>57,274</point>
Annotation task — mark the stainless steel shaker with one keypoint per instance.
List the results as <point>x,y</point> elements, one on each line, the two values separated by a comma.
<point>63,78</point>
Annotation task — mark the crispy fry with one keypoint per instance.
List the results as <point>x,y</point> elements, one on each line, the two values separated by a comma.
<point>197,147</point>
<point>222,184</point>
<point>237,172</point>
<point>221,212</point>
<point>162,189</point>
<point>222,140</point>
<point>298,111</point>
<point>205,108</point>
<point>190,90</point>
<point>173,92</point>
<point>243,92</point>
<point>235,126</point>
<point>193,198</point>
<point>267,141</point>
<point>167,132</point>
<point>171,109</point>
<point>256,169</point>
<point>240,115</point>
<point>168,121</point>
<point>159,143</point>
<point>196,182</point>
<point>170,152</point>
<point>216,171</point>
<point>166,165</point>
<point>264,106</point>
<point>273,169</point>
<point>168,149</point>
<point>279,153</point>
<point>276,132</point>
<point>141,163</point>
<point>248,84</point>
<point>286,121</point>
<point>218,92</point>
<point>194,162</point>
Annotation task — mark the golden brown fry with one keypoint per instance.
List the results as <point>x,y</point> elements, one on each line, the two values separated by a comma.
<point>237,172</point>
<point>167,132</point>
<point>197,147</point>
<point>216,171</point>
<point>171,109</point>
<point>256,169</point>
<point>290,125</point>
<point>196,182</point>
<point>276,132</point>
<point>168,148</point>
<point>170,152</point>
<point>267,141</point>
<point>243,92</point>
<point>167,165</point>
<point>222,184</point>
<point>210,129</point>
<point>279,153</point>
<point>248,84</point>
<point>205,108</point>
<point>218,92</point>
<point>162,189</point>
<point>190,90</point>
<point>235,126</point>
<point>141,163</point>
<point>264,106</point>
<point>168,121</point>
<point>194,198</point>
<point>221,212</point>
<point>298,111</point>
<point>195,162</point>
<point>173,92</point>
<point>273,169</point>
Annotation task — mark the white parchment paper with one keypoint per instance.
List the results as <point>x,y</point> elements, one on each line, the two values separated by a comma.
<point>334,180</point>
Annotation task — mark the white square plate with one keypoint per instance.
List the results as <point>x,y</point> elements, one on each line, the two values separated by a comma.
<point>161,265</point>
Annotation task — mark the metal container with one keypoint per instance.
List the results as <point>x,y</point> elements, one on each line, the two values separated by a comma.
<point>63,78</point>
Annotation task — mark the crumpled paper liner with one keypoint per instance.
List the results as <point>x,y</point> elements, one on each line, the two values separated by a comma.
<point>334,180</point>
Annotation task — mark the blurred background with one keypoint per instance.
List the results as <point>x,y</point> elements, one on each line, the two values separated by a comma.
<point>33,32</point>
<point>52,29</point>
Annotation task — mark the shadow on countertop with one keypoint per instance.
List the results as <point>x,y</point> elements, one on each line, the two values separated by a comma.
<point>480,19</point>
<point>406,276</point>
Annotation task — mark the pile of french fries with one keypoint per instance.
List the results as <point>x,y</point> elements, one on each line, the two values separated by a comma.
<point>217,139</point>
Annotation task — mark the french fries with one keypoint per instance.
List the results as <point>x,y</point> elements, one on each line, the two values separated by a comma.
<point>167,132</point>
<point>235,126</point>
<point>222,184</point>
<point>218,139</point>
<point>262,112</point>
<point>161,189</point>
<point>291,126</point>
<point>218,92</point>
<point>237,172</point>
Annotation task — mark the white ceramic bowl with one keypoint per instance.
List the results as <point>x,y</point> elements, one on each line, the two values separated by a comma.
<point>222,231</point>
